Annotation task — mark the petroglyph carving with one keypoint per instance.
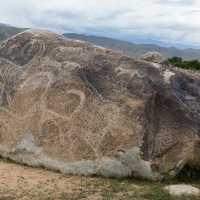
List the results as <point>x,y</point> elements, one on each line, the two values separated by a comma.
<point>50,65</point>
<point>56,118</point>
<point>6,68</point>
<point>69,52</point>
<point>81,96</point>
<point>71,65</point>
<point>32,50</point>
<point>34,81</point>
<point>110,119</point>
<point>63,105</point>
<point>30,46</point>
<point>30,86</point>
<point>125,69</point>
<point>53,65</point>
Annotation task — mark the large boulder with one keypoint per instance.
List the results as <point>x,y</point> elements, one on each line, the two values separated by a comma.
<point>78,108</point>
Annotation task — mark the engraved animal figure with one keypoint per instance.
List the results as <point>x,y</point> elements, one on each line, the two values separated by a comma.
<point>71,65</point>
<point>125,69</point>
<point>56,117</point>
<point>12,73</point>
<point>69,52</point>
<point>47,114</point>
<point>36,86</point>
<point>50,66</point>
<point>29,47</point>
<point>6,69</point>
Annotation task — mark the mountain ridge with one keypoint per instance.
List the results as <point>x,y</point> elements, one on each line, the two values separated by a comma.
<point>135,50</point>
<point>160,43</point>
<point>126,47</point>
<point>4,25</point>
<point>7,32</point>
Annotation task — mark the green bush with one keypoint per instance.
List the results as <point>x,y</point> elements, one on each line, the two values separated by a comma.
<point>190,64</point>
<point>191,171</point>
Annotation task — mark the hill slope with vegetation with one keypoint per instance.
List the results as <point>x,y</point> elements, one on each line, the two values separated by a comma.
<point>135,50</point>
<point>189,64</point>
<point>127,48</point>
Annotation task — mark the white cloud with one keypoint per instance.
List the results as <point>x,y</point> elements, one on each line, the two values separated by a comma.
<point>173,20</point>
<point>176,2</point>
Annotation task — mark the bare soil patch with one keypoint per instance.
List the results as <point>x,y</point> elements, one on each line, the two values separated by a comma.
<point>22,182</point>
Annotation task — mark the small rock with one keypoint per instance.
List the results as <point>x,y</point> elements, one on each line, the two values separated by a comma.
<point>182,189</point>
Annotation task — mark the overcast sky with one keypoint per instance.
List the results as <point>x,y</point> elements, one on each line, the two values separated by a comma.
<point>165,20</point>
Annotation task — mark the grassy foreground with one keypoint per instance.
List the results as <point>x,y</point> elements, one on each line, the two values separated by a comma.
<point>22,182</point>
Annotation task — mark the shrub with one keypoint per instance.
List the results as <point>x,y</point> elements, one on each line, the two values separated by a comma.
<point>190,64</point>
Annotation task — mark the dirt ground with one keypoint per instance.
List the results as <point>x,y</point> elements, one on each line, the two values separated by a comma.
<point>22,182</point>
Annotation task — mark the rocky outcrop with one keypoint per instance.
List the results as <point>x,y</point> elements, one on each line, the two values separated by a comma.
<point>154,57</point>
<point>79,108</point>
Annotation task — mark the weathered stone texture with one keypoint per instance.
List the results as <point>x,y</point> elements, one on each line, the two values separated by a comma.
<point>182,189</point>
<point>78,108</point>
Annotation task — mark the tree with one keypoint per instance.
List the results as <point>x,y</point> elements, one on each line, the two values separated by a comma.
<point>175,59</point>
<point>190,64</point>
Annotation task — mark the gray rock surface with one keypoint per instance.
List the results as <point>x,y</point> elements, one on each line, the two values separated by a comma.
<point>182,189</point>
<point>82,109</point>
<point>153,57</point>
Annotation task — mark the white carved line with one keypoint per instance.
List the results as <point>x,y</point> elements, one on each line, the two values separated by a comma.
<point>39,53</point>
<point>72,65</point>
<point>125,69</point>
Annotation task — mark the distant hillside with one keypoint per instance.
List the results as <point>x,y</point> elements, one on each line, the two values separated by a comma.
<point>6,32</point>
<point>135,50</point>
<point>4,25</point>
<point>137,40</point>
<point>128,48</point>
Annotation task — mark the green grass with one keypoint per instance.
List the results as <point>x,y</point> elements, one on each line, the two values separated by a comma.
<point>158,193</point>
<point>191,171</point>
<point>99,187</point>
